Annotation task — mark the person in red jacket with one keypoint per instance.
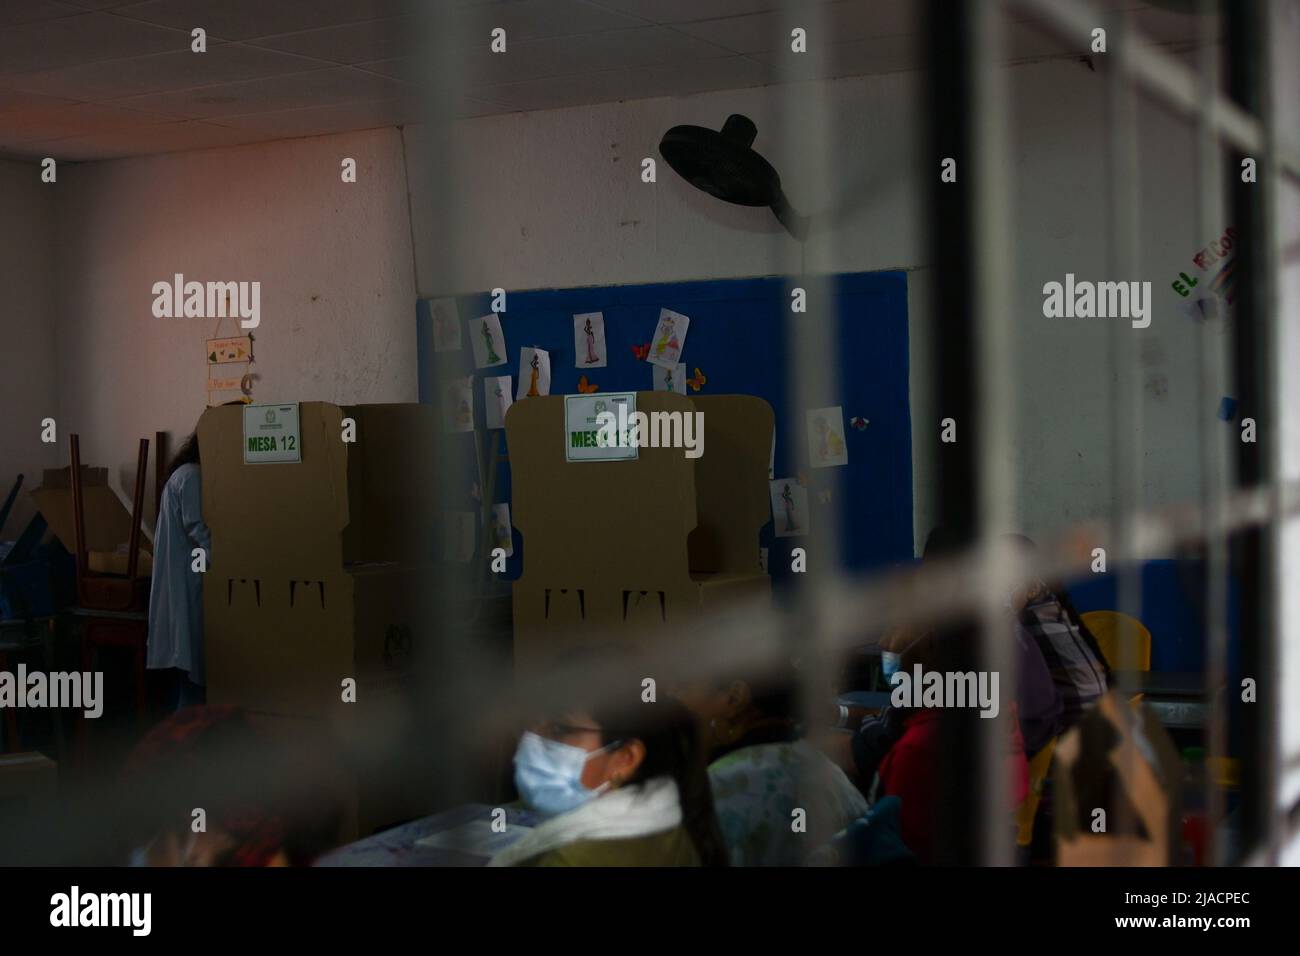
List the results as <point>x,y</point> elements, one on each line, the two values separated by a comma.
<point>915,769</point>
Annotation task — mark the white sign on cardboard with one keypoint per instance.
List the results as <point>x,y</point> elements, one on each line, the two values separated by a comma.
<point>582,427</point>
<point>271,434</point>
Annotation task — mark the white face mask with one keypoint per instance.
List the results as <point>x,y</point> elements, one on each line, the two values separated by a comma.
<point>548,774</point>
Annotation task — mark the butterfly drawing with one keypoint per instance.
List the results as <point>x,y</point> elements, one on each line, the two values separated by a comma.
<point>585,387</point>
<point>641,351</point>
<point>698,381</point>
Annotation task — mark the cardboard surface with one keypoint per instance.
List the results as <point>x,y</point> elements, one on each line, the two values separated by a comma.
<point>609,546</point>
<point>1119,759</point>
<point>108,521</point>
<point>315,574</point>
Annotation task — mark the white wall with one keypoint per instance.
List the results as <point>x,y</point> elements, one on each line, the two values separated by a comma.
<point>27,382</point>
<point>555,199</point>
<point>333,259</point>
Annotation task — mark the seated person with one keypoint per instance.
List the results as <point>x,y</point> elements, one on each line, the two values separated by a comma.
<point>761,771</point>
<point>268,799</point>
<point>1072,656</point>
<point>914,768</point>
<point>618,785</point>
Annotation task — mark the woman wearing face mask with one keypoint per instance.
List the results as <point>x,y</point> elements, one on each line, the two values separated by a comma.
<point>617,785</point>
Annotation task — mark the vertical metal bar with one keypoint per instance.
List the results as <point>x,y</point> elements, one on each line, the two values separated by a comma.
<point>1126,404</point>
<point>950,221</point>
<point>1247,75</point>
<point>1207,184</point>
<point>806,134</point>
<point>991,240</point>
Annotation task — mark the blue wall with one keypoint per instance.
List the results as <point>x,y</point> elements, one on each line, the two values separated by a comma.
<point>738,339</point>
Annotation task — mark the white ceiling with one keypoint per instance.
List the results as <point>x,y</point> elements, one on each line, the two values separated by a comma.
<point>99,79</point>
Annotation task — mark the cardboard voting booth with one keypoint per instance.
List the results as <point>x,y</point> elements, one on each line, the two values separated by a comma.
<point>321,551</point>
<point>634,547</point>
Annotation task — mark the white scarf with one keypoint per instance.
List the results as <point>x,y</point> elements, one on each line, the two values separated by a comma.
<point>639,810</point>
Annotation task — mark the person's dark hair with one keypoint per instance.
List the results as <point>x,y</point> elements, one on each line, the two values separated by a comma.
<point>187,454</point>
<point>665,727</point>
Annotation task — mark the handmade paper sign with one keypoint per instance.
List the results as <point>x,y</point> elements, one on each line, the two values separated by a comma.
<point>789,507</point>
<point>669,339</point>
<point>670,379</point>
<point>534,373</point>
<point>826,446</point>
<point>501,536</point>
<point>496,400</point>
<point>446,325</point>
<point>488,341</point>
<point>458,405</point>
<point>237,349</point>
<point>271,434</point>
<point>589,435</point>
<point>589,340</point>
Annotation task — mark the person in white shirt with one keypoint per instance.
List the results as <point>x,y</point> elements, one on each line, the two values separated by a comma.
<point>176,596</point>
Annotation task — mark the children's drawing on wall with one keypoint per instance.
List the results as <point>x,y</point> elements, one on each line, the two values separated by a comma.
<point>789,507</point>
<point>534,373</point>
<point>589,340</point>
<point>669,339</point>
<point>670,379</point>
<point>488,340</point>
<point>501,536</point>
<point>457,536</point>
<point>497,400</point>
<point>446,325</point>
<point>458,405</point>
<point>826,446</point>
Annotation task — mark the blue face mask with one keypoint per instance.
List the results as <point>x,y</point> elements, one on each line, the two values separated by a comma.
<point>548,774</point>
<point>889,662</point>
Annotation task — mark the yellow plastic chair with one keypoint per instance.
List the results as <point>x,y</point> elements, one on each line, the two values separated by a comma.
<point>1124,641</point>
<point>1028,809</point>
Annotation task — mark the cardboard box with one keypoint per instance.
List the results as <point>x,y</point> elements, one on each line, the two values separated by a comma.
<point>27,780</point>
<point>320,569</point>
<point>635,549</point>
<point>107,514</point>
<point>1120,761</point>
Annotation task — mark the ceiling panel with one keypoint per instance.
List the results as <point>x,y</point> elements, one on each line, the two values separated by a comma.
<point>83,38</point>
<point>30,11</point>
<point>296,91</point>
<point>244,19</point>
<point>133,76</point>
<point>350,43</point>
<point>119,73</point>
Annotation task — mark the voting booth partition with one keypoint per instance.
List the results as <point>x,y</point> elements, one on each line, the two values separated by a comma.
<point>316,564</point>
<point>634,549</point>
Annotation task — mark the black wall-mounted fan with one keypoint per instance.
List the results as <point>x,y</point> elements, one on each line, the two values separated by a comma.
<point>725,166</point>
